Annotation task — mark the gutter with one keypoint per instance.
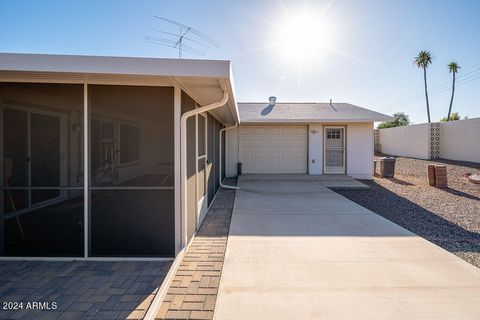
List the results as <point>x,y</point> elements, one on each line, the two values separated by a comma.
<point>220,163</point>
<point>183,155</point>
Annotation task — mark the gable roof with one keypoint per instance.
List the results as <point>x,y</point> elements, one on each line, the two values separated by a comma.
<point>307,112</point>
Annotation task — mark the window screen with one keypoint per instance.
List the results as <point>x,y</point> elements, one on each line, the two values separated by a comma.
<point>129,143</point>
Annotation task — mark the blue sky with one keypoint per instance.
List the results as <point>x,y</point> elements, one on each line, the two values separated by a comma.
<point>364,55</point>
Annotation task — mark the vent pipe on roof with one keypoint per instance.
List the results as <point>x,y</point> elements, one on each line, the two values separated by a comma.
<point>331,105</point>
<point>272,100</point>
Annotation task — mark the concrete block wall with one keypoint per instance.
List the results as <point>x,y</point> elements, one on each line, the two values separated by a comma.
<point>459,140</point>
<point>409,141</point>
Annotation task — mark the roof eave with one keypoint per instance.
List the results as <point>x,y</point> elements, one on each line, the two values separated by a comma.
<point>114,65</point>
<point>122,70</point>
<point>246,121</point>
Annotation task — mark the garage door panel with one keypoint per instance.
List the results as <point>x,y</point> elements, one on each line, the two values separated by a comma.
<point>248,141</point>
<point>248,156</point>
<point>260,130</point>
<point>260,155</point>
<point>274,142</point>
<point>274,130</point>
<point>273,154</point>
<point>247,130</point>
<point>288,155</point>
<point>259,167</point>
<point>260,141</point>
<point>274,149</point>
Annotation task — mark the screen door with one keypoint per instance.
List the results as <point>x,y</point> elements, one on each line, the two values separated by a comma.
<point>334,150</point>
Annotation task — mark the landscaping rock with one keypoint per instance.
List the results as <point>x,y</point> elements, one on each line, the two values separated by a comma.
<point>448,217</point>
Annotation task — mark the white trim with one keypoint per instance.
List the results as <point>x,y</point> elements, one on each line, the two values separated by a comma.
<point>86,172</point>
<point>202,200</point>
<point>344,149</point>
<point>177,113</point>
<point>197,199</point>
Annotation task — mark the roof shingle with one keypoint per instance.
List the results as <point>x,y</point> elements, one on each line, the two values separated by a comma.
<point>307,112</point>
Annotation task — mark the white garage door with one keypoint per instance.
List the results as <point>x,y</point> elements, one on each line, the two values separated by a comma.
<point>273,149</point>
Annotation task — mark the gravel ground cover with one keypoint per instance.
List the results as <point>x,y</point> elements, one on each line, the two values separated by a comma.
<point>449,217</point>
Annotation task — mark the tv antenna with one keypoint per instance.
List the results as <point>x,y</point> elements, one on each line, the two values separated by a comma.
<point>187,40</point>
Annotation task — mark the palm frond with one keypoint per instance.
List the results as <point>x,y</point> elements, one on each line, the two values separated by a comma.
<point>423,59</point>
<point>453,67</point>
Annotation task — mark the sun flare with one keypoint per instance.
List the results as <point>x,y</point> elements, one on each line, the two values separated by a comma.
<point>303,37</point>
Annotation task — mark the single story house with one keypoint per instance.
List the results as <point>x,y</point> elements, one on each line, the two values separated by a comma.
<point>120,158</point>
<point>313,138</point>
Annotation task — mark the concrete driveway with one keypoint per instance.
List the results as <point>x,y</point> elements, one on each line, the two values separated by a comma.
<point>298,250</point>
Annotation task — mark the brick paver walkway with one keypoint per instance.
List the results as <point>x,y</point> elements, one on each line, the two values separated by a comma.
<point>194,288</point>
<point>79,289</point>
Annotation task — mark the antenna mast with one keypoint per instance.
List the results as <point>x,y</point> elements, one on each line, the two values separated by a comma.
<point>178,42</point>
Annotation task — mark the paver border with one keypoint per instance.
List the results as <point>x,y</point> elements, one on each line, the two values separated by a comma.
<point>192,293</point>
<point>162,291</point>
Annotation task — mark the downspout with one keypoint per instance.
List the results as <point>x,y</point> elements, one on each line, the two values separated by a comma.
<point>220,163</point>
<point>183,155</point>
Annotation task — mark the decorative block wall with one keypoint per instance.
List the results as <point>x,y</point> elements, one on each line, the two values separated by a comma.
<point>434,140</point>
<point>376,140</point>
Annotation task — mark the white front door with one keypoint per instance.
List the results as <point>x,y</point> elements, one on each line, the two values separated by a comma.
<point>334,146</point>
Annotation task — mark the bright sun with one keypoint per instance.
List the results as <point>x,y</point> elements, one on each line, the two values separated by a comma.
<point>303,37</point>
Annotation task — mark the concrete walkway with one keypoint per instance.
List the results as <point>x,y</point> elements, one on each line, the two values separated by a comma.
<point>297,250</point>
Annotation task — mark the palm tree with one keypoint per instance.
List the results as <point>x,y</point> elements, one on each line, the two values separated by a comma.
<point>423,59</point>
<point>452,68</point>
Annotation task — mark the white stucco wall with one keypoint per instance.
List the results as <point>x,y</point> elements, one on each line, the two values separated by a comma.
<point>231,154</point>
<point>360,150</point>
<point>460,140</point>
<point>315,149</point>
<point>408,141</point>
